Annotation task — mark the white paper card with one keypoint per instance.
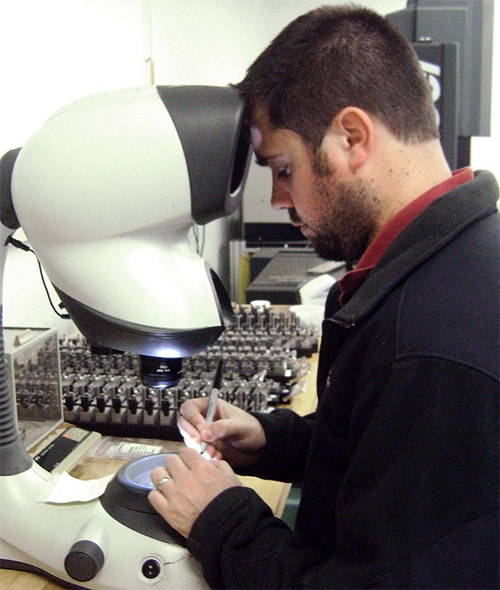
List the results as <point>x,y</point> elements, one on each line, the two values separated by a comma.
<point>70,489</point>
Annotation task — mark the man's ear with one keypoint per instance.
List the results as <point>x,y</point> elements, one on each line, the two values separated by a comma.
<point>354,128</point>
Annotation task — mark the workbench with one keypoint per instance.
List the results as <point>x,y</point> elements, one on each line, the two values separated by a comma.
<point>274,493</point>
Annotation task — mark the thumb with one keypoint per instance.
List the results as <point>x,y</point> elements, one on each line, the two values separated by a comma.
<point>218,430</point>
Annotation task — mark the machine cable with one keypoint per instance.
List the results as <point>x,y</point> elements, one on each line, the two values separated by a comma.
<point>22,246</point>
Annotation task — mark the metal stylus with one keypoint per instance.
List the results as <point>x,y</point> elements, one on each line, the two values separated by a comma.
<point>212,402</point>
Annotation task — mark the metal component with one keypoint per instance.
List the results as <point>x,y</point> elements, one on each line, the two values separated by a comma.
<point>264,353</point>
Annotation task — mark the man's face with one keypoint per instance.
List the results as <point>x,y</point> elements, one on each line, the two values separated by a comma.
<point>334,209</point>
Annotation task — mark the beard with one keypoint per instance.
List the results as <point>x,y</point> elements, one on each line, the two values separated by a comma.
<point>349,214</point>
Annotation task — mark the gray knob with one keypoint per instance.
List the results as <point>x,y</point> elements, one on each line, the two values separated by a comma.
<point>84,560</point>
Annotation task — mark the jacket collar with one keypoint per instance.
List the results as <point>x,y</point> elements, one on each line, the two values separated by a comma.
<point>431,231</point>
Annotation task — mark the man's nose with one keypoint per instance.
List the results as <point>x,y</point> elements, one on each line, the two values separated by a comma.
<point>280,197</point>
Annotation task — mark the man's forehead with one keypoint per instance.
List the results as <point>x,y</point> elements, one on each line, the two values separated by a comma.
<point>262,136</point>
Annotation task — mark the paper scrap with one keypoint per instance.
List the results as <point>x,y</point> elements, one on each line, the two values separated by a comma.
<point>192,444</point>
<point>70,489</point>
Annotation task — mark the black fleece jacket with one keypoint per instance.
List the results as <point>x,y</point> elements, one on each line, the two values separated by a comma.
<point>399,464</point>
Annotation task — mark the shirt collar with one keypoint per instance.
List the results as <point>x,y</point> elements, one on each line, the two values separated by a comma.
<point>353,279</point>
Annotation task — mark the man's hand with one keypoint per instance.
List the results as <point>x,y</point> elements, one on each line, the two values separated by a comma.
<point>188,484</point>
<point>235,435</point>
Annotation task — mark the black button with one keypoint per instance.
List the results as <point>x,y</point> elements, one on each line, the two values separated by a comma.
<point>151,568</point>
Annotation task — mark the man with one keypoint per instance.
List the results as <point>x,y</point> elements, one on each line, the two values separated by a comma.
<point>399,464</point>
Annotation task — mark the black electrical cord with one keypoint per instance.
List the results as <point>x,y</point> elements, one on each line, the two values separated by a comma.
<point>26,248</point>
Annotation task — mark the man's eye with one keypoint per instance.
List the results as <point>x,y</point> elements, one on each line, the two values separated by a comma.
<point>284,172</point>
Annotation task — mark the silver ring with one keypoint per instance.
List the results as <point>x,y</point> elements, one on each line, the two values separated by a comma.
<point>163,480</point>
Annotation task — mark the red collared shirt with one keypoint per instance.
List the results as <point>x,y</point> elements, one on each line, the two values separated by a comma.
<point>353,279</point>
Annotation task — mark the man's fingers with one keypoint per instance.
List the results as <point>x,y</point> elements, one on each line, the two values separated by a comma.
<point>158,502</point>
<point>186,459</point>
<point>159,476</point>
<point>193,411</point>
<point>216,431</point>
<point>224,467</point>
<point>191,418</point>
<point>223,430</point>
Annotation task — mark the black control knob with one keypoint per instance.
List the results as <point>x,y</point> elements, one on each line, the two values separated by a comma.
<point>84,560</point>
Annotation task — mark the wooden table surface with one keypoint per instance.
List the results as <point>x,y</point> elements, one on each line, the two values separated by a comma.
<point>272,492</point>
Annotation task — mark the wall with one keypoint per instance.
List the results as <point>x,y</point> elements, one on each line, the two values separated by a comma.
<point>52,53</point>
<point>56,51</point>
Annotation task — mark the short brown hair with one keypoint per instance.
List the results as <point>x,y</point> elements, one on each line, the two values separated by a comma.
<point>338,56</point>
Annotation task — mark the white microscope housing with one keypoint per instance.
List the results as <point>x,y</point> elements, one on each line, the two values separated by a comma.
<point>107,191</point>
